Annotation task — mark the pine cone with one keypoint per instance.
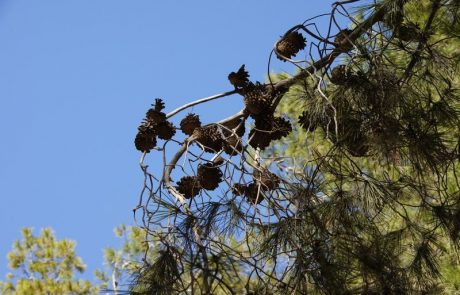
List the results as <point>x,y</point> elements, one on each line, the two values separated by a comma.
<point>240,78</point>
<point>339,75</point>
<point>407,33</point>
<point>190,123</point>
<point>254,194</point>
<point>342,41</point>
<point>233,145</point>
<point>251,192</point>
<point>189,186</point>
<point>155,114</point>
<point>290,45</point>
<point>268,181</point>
<point>239,189</point>
<point>257,99</point>
<point>146,137</point>
<point>268,128</point>
<point>259,139</point>
<point>145,142</point>
<point>166,130</point>
<point>210,137</point>
<point>209,176</point>
<point>232,125</point>
<point>159,104</point>
<point>280,128</point>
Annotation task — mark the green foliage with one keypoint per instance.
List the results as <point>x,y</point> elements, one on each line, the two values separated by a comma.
<point>434,95</point>
<point>366,199</point>
<point>44,265</point>
<point>125,262</point>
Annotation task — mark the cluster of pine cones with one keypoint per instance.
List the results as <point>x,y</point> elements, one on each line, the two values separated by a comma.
<point>258,100</point>
<point>263,181</point>
<point>154,125</point>
<point>213,138</point>
<point>208,177</point>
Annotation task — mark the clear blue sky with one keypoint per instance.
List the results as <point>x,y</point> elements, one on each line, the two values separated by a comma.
<point>76,78</point>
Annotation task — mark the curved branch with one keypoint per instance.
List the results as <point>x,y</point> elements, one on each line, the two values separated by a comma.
<point>199,101</point>
<point>328,59</point>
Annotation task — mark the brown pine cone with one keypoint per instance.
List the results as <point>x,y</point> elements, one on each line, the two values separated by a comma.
<point>254,194</point>
<point>239,189</point>
<point>407,33</point>
<point>166,130</point>
<point>233,145</point>
<point>232,125</point>
<point>268,128</point>
<point>209,176</point>
<point>259,139</point>
<point>357,146</point>
<point>280,128</point>
<point>145,142</point>
<point>155,114</point>
<point>240,78</point>
<point>268,181</point>
<point>189,186</point>
<point>290,45</point>
<point>257,99</point>
<point>146,137</point>
<point>306,123</point>
<point>210,137</point>
<point>190,123</point>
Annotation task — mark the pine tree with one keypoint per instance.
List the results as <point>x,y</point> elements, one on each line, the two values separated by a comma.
<point>44,265</point>
<point>356,194</point>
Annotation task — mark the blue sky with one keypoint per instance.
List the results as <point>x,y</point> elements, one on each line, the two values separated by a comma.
<point>76,78</point>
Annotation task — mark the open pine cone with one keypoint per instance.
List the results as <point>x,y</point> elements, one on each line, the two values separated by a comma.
<point>268,128</point>
<point>210,137</point>
<point>155,114</point>
<point>254,194</point>
<point>306,123</point>
<point>146,137</point>
<point>237,124</point>
<point>259,139</point>
<point>166,130</point>
<point>232,132</point>
<point>189,186</point>
<point>268,181</point>
<point>357,146</point>
<point>408,32</point>
<point>239,189</point>
<point>280,128</point>
<point>290,45</point>
<point>190,123</point>
<point>257,99</point>
<point>209,176</point>
<point>240,78</point>
<point>233,145</point>
<point>251,192</point>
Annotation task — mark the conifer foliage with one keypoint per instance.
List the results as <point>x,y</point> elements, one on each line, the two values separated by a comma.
<point>369,205</point>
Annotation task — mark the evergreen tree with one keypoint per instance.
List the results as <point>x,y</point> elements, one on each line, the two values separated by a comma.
<point>44,265</point>
<point>357,195</point>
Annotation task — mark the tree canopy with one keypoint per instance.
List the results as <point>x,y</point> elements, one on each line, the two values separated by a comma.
<point>44,265</point>
<point>345,183</point>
